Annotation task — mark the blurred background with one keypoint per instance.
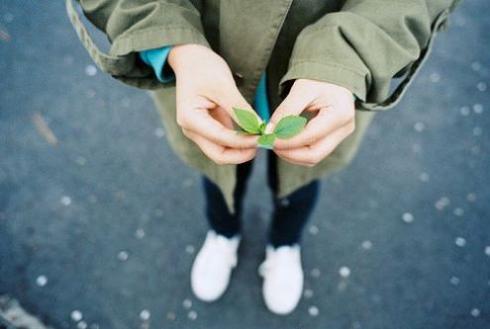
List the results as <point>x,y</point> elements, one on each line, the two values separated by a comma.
<point>100,221</point>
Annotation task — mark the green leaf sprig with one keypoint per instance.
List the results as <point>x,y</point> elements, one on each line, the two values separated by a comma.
<point>287,127</point>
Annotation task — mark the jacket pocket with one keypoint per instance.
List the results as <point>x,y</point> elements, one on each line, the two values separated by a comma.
<point>410,73</point>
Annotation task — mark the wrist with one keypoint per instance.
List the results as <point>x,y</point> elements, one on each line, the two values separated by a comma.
<point>179,55</point>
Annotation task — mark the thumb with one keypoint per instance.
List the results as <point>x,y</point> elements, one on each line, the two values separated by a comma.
<point>233,98</point>
<point>294,103</point>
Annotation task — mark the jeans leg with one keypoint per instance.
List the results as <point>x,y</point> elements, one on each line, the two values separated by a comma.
<point>291,213</point>
<point>218,216</point>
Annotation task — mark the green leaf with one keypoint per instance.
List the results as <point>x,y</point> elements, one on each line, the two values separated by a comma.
<point>267,141</point>
<point>247,120</point>
<point>289,126</point>
<point>262,128</point>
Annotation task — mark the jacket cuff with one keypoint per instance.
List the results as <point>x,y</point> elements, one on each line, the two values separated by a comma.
<point>157,59</point>
<point>327,72</point>
<point>156,37</point>
<point>322,53</point>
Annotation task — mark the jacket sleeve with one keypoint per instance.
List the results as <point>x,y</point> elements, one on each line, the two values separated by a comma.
<point>132,26</point>
<point>367,44</point>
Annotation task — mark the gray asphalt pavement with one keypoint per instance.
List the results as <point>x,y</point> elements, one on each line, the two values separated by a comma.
<point>100,221</point>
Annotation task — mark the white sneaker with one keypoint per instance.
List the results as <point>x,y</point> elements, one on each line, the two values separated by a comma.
<point>212,267</point>
<point>283,278</point>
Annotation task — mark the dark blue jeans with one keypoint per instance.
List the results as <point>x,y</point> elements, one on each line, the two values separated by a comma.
<point>289,216</point>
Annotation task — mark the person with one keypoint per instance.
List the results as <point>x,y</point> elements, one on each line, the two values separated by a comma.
<point>334,60</point>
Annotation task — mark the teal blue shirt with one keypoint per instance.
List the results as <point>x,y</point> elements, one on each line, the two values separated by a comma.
<point>157,59</point>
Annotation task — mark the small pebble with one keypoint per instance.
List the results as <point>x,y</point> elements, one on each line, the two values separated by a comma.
<point>407,217</point>
<point>424,177</point>
<point>313,311</point>
<point>344,271</point>
<point>442,203</point>
<point>482,86</point>
<point>367,245</point>
<point>356,325</point>
<point>458,211</point>
<point>477,131</point>
<point>315,272</point>
<point>190,249</point>
<point>475,312</point>
<point>140,233</point>
<point>308,293</point>
<point>192,315</point>
<point>460,242</point>
<point>159,132</point>
<point>314,230</point>
<point>82,325</point>
<point>478,108</point>
<point>465,110</point>
<point>123,256</point>
<point>76,315</point>
<point>471,197</point>
<point>435,77</point>
<point>90,70</point>
<point>419,126</point>
<point>41,280</point>
<point>66,200</point>
<point>145,315</point>
<point>476,66</point>
<point>187,303</point>
<point>171,316</point>
<point>81,161</point>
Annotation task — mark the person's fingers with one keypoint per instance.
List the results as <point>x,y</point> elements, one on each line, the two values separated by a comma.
<point>204,117</point>
<point>325,122</point>
<point>310,155</point>
<point>220,115</point>
<point>220,154</point>
<point>201,122</point>
<point>289,159</point>
<point>230,97</point>
<point>294,104</point>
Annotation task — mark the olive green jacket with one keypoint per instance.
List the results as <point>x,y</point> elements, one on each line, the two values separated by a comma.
<point>358,44</point>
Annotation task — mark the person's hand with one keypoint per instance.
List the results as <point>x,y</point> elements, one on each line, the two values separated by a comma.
<point>334,121</point>
<point>206,93</point>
